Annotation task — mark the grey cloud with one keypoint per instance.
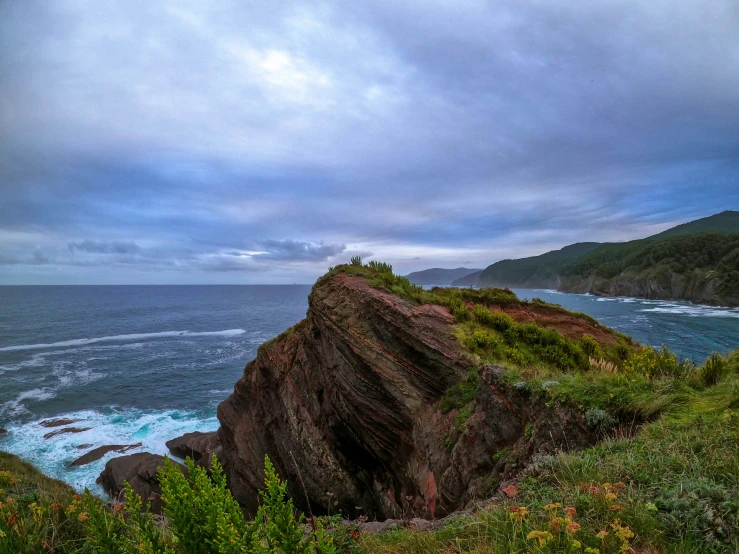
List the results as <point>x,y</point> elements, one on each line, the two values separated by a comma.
<point>97,247</point>
<point>430,134</point>
<point>298,250</point>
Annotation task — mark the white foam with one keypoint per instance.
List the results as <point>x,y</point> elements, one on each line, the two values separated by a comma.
<point>694,311</point>
<point>16,407</point>
<point>152,428</point>
<point>123,338</point>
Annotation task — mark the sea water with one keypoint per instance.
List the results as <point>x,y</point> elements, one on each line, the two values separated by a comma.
<point>149,363</point>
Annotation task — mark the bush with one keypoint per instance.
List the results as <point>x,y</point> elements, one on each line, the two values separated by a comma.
<point>356,261</point>
<point>590,346</point>
<point>599,419</point>
<point>713,370</point>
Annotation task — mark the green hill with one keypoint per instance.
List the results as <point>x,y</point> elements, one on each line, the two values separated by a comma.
<point>537,271</point>
<point>438,275</point>
<point>727,222</point>
<point>696,261</point>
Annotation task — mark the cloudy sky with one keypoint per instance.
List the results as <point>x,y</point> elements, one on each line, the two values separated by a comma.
<point>261,142</point>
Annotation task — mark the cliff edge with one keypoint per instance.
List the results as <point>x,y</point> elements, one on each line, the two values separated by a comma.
<point>358,405</point>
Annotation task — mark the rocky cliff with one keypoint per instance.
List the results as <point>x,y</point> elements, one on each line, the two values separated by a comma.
<point>347,406</point>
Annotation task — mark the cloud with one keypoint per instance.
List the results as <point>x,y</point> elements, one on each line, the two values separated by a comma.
<point>97,247</point>
<point>428,134</point>
<point>298,250</point>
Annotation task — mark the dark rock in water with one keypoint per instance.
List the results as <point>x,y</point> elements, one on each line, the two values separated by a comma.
<point>351,396</point>
<point>3,431</point>
<point>101,451</point>
<point>66,430</point>
<point>58,422</point>
<point>197,445</point>
<point>140,470</point>
<point>83,446</point>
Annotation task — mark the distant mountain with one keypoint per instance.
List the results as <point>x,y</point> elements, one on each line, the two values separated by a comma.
<point>438,275</point>
<point>696,261</point>
<point>471,280</point>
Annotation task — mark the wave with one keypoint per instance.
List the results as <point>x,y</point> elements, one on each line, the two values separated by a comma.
<point>152,428</point>
<point>694,311</point>
<point>123,338</point>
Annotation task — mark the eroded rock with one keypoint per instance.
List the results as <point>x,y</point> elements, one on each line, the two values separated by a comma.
<point>350,396</point>
<point>140,470</point>
<point>58,422</point>
<point>101,451</point>
<point>197,445</point>
<point>66,430</point>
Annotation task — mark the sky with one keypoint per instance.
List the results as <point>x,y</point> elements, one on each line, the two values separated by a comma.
<point>262,142</point>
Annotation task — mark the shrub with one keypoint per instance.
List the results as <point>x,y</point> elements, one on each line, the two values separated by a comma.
<point>713,370</point>
<point>590,346</point>
<point>499,321</point>
<point>599,419</point>
<point>460,394</point>
<point>356,260</point>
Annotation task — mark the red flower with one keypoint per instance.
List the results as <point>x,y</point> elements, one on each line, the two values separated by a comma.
<point>510,491</point>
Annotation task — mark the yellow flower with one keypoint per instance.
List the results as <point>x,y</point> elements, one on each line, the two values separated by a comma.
<point>611,496</point>
<point>602,534</point>
<point>82,517</point>
<point>542,536</point>
<point>552,507</point>
<point>576,544</point>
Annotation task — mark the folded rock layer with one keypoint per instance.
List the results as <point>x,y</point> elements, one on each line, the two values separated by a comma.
<point>346,405</point>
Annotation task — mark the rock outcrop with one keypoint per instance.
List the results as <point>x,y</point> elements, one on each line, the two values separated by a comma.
<point>140,470</point>
<point>100,451</point>
<point>347,403</point>
<point>197,445</point>
<point>66,430</point>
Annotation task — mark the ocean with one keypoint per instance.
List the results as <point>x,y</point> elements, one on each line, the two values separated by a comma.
<point>149,363</point>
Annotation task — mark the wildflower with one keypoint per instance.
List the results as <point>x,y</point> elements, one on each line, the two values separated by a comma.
<point>576,544</point>
<point>117,507</point>
<point>518,513</point>
<point>611,496</point>
<point>542,536</point>
<point>12,520</point>
<point>593,489</point>
<point>615,507</point>
<point>552,507</point>
<point>573,527</point>
<point>556,523</point>
<point>56,506</point>
<point>77,497</point>
<point>82,517</point>
<point>651,508</point>
<point>10,501</point>
<point>619,486</point>
<point>590,550</point>
<point>602,534</point>
<point>571,511</point>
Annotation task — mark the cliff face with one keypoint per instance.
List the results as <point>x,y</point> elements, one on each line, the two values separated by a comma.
<point>660,284</point>
<point>347,402</point>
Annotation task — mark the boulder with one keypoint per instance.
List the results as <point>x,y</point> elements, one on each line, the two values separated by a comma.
<point>101,451</point>
<point>66,430</point>
<point>58,422</point>
<point>197,445</point>
<point>140,470</point>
